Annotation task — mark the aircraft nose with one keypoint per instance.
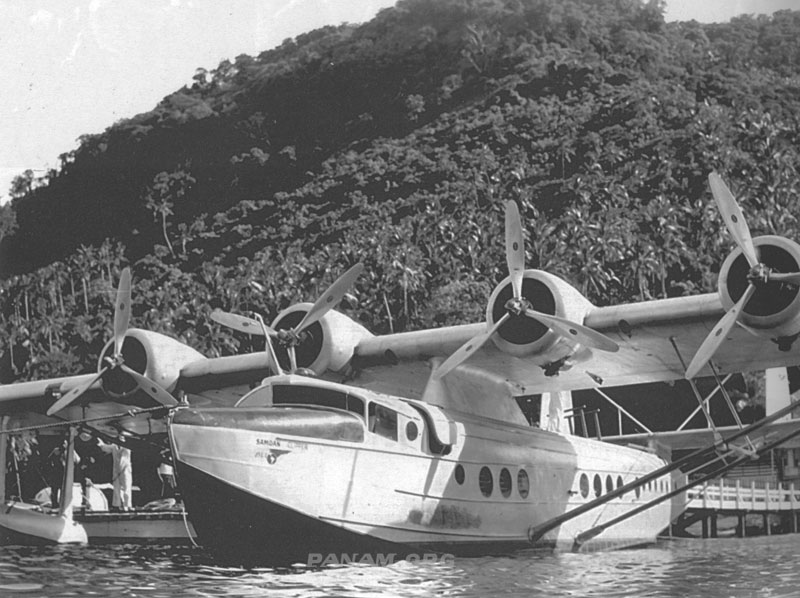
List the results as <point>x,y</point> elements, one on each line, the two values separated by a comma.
<point>286,421</point>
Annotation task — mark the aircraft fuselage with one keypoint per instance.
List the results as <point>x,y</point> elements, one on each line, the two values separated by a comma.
<point>301,469</point>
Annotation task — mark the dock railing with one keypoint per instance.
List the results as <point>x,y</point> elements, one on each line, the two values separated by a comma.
<point>733,495</point>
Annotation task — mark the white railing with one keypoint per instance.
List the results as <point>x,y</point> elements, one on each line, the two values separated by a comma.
<point>737,496</point>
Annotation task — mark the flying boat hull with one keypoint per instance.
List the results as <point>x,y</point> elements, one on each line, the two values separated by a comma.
<point>288,484</point>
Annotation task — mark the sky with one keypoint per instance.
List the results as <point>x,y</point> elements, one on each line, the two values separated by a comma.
<point>75,67</point>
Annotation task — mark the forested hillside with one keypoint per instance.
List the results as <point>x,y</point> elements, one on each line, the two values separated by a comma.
<point>394,143</point>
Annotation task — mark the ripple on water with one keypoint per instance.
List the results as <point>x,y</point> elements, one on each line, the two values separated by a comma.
<point>708,568</point>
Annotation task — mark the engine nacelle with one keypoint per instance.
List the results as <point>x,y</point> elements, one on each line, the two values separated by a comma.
<point>522,336</point>
<point>774,309</point>
<point>328,344</point>
<point>154,355</point>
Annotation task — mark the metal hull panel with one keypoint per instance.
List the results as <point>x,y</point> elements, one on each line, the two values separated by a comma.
<point>278,497</point>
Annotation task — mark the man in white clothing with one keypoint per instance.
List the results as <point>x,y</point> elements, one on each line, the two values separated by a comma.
<point>121,475</point>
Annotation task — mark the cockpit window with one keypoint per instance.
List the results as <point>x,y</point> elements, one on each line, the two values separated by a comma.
<point>324,397</point>
<point>383,421</point>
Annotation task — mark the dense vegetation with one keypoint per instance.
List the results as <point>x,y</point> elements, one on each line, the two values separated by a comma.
<point>393,143</point>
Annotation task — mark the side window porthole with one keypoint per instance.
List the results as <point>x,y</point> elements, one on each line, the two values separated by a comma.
<point>459,474</point>
<point>486,481</point>
<point>638,491</point>
<point>598,485</point>
<point>523,483</point>
<point>609,484</point>
<point>584,485</point>
<point>505,483</point>
<point>411,431</point>
<point>619,482</point>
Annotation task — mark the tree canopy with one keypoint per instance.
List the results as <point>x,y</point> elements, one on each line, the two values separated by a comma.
<point>394,143</point>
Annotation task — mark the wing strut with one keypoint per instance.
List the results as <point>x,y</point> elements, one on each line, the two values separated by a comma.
<point>727,397</point>
<point>67,496</point>
<point>742,456</point>
<point>697,394</point>
<point>536,532</point>
<point>254,325</point>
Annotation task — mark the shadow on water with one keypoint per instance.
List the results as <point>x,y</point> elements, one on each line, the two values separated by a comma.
<point>709,568</point>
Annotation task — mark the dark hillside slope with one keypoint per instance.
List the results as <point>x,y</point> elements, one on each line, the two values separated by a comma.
<point>393,143</point>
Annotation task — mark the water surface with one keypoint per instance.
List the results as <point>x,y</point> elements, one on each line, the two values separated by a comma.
<point>764,566</point>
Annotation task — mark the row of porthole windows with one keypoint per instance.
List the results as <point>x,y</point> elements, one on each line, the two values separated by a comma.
<point>597,485</point>
<point>505,482</point>
<point>659,486</point>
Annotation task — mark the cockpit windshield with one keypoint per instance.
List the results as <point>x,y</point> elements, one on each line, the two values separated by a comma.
<point>312,395</point>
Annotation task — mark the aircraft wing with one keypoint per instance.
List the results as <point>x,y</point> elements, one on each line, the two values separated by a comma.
<point>221,372</point>
<point>26,396</point>
<point>656,339</point>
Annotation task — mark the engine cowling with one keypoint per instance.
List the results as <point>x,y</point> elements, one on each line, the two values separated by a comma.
<point>523,336</point>
<point>774,309</point>
<point>327,344</point>
<point>154,355</point>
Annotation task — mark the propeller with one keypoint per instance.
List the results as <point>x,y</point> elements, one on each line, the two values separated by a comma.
<point>733,217</point>
<point>333,294</point>
<point>466,350</point>
<point>149,387</point>
<point>122,317</point>
<point>519,305</point>
<point>330,298</point>
<point>243,323</point>
<point>789,277</point>
<point>122,311</point>
<point>291,337</point>
<point>68,398</point>
<point>581,334</point>
<point>760,274</point>
<point>713,341</point>
<point>254,325</point>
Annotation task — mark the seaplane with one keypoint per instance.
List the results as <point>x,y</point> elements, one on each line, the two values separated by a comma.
<point>333,442</point>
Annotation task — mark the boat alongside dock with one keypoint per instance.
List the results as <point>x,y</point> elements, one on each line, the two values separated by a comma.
<point>168,527</point>
<point>27,524</point>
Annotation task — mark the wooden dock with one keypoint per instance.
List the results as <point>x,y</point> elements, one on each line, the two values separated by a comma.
<point>774,506</point>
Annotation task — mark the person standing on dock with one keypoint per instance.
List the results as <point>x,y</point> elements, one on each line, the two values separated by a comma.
<point>122,475</point>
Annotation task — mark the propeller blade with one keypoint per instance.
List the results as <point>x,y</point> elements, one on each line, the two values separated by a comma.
<point>467,349</point>
<point>241,323</point>
<point>577,332</point>
<point>515,248</point>
<point>122,310</point>
<point>151,388</point>
<point>329,298</point>
<point>733,217</point>
<point>790,277</point>
<point>717,336</point>
<point>68,398</point>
